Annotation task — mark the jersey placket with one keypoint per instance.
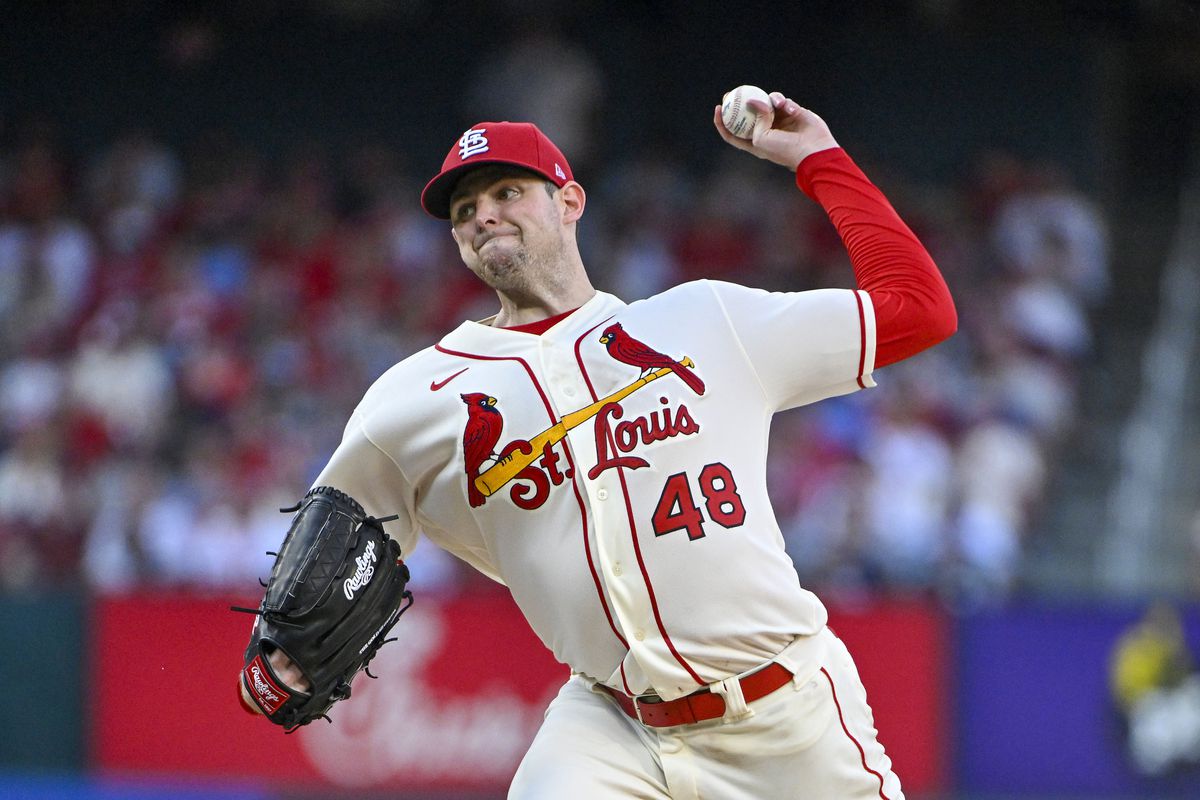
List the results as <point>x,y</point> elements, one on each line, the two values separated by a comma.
<point>609,503</point>
<point>610,529</point>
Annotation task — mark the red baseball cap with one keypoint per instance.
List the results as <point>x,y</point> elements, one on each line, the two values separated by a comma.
<point>518,143</point>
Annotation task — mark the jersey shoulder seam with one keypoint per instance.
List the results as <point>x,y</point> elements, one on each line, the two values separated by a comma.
<point>711,286</point>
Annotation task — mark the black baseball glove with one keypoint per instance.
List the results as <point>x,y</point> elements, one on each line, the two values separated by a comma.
<point>336,590</point>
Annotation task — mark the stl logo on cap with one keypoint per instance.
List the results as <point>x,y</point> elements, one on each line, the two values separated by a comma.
<point>472,143</point>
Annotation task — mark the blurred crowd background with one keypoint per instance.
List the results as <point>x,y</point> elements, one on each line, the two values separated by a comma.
<point>190,306</point>
<point>185,331</point>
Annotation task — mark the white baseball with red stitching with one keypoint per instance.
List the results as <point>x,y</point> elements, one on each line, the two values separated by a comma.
<point>736,113</point>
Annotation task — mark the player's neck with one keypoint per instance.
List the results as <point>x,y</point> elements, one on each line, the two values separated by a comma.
<point>524,310</point>
<point>566,290</point>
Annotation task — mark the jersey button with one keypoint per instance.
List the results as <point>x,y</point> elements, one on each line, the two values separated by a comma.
<point>602,494</point>
<point>569,391</point>
<point>639,634</point>
<point>617,569</point>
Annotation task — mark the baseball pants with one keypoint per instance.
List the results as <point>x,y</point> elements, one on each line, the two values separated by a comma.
<point>812,739</point>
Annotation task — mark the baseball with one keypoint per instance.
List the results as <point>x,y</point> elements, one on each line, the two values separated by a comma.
<point>736,113</point>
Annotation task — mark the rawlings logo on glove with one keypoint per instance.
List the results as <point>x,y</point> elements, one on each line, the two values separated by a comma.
<point>265,693</point>
<point>366,568</point>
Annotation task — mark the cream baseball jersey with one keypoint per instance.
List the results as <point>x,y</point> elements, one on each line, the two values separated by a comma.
<point>611,471</point>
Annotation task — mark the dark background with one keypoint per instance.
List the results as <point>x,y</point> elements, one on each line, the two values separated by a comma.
<point>924,85</point>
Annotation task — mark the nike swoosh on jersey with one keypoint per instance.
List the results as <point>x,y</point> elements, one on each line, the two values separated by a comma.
<point>435,385</point>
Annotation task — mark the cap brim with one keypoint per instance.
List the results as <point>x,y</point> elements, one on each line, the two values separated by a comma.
<point>435,197</point>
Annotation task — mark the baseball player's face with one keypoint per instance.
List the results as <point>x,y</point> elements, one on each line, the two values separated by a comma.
<point>508,227</point>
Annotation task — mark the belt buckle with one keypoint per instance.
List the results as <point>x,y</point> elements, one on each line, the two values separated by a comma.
<point>637,704</point>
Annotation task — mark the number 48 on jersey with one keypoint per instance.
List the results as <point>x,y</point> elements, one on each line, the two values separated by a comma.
<point>677,508</point>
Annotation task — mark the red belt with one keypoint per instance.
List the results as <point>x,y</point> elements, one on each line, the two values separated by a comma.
<point>702,705</point>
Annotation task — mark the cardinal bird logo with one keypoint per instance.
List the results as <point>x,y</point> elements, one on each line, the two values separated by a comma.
<point>628,350</point>
<point>484,425</point>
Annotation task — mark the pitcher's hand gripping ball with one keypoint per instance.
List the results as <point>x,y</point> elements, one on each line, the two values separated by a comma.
<point>336,590</point>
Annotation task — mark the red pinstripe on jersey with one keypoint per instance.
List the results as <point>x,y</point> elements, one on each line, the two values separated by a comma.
<point>579,357</point>
<point>592,391</point>
<point>583,517</point>
<point>637,549</point>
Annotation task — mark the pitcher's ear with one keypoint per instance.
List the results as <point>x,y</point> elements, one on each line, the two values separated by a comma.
<point>573,199</point>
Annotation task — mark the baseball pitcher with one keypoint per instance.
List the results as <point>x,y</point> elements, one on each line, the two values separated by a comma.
<point>607,463</point>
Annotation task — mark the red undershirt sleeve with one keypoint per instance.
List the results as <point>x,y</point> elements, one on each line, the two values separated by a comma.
<point>913,307</point>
